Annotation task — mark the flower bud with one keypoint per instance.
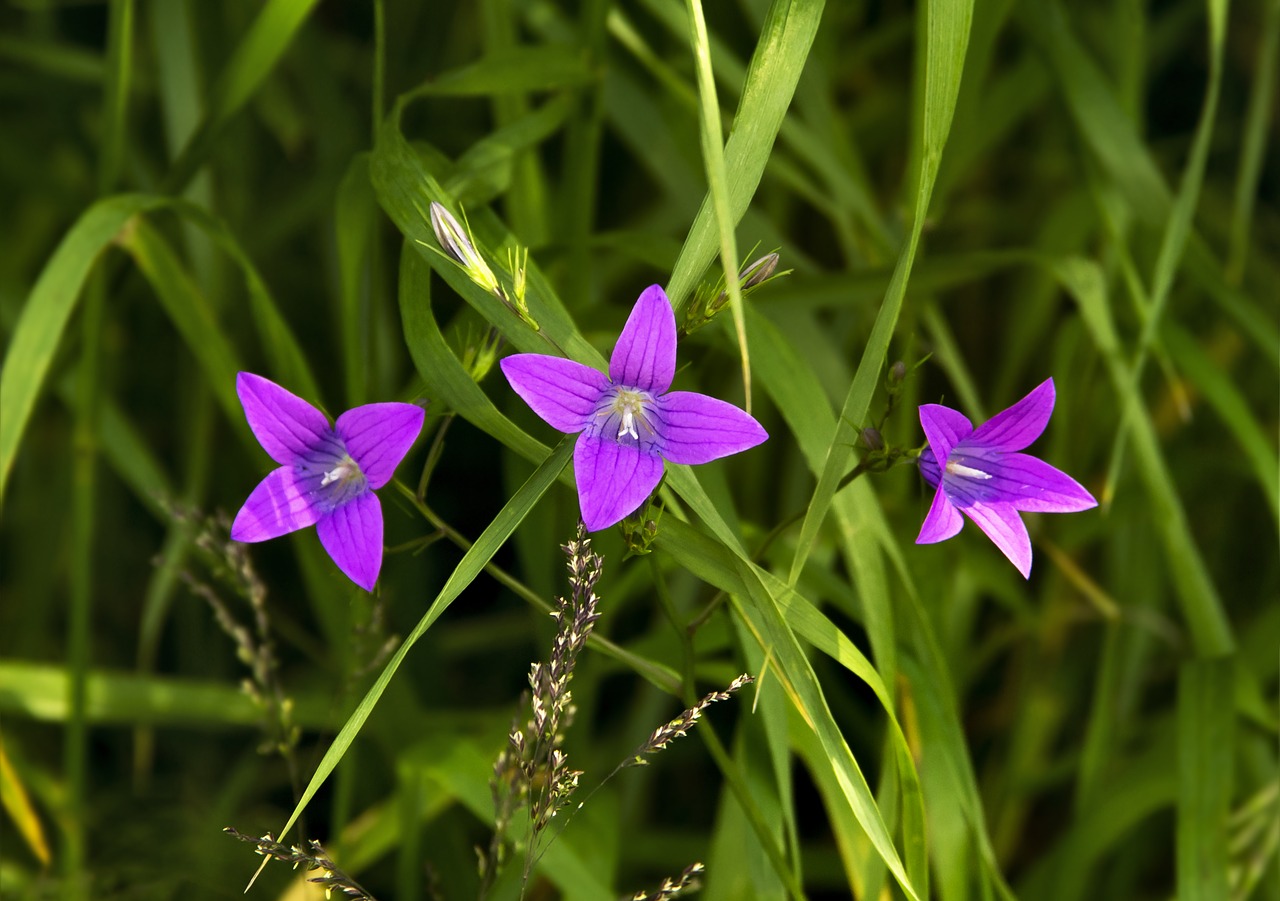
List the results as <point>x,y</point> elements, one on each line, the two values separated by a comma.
<point>898,371</point>
<point>759,272</point>
<point>872,438</point>
<point>457,245</point>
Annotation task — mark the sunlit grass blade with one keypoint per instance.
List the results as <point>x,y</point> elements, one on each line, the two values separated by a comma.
<point>17,804</point>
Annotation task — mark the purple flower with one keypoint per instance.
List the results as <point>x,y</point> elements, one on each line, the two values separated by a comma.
<point>986,478</point>
<point>629,421</point>
<point>327,473</point>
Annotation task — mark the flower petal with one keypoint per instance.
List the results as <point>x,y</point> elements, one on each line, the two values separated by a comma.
<point>942,522</point>
<point>645,355</point>
<point>981,476</point>
<point>377,436</point>
<point>285,425</point>
<point>1043,488</point>
<point>1005,528</point>
<point>929,467</point>
<point>563,392</point>
<point>283,502</point>
<point>1015,428</point>
<point>613,479</point>
<point>352,534</point>
<point>695,428</point>
<point>944,428</point>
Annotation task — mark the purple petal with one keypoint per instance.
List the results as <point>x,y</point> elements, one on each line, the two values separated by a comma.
<point>696,428</point>
<point>352,534</point>
<point>1005,528</point>
<point>1045,489</point>
<point>645,355</point>
<point>982,476</point>
<point>563,392</point>
<point>929,467</point>
<point>942,522</point>
<point>283,502</point>
<point>285,425</point>
<point>1015,428</point>
<point>613,479</point>
<point>944,428</point>
<point>377,436</point>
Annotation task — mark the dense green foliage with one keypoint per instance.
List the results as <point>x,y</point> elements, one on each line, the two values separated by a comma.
<point>1005,190</point>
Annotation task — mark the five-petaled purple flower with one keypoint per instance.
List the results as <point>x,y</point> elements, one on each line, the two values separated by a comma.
<point>327,473</point>
<point>629,421</point>
<point>985,477</point>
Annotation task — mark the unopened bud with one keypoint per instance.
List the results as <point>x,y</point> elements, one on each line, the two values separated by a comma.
<point>898,371</point>
<point>456,243</point>
<point>872,438</point>
<point>758,272</point>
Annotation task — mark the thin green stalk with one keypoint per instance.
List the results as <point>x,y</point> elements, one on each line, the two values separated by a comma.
<point>582,160</point>
<point>84,477</point>
<point>1253,147</point>
<point>377,102</point>
<point>718,182</point>
<point>1177,231</point>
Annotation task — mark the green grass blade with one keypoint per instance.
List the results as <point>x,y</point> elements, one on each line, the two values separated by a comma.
<point>355,214</point>
<point>191,315</point>
<point>39,691</point>
<point>1178,228</point>
<point>1229,403</point>
<point>1201,605</point>
<point>947,35</point>
<point>445,377</point>
<point>46,312</point>
<point>254,58</point>
<point>472,563</point>
<point>775,69</point>
<point>768,602</point>
<point>514,70</point>
<point>717,182</point>
<point>119,75</point>
<point>1206,756</point>
<point>1254,146</point>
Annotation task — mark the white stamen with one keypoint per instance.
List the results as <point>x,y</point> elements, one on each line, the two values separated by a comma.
<point>628,424</point>
<point>341,471</point>
<point>959,469</point>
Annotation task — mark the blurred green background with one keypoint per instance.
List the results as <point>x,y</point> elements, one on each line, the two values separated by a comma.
<point>1017,189</point>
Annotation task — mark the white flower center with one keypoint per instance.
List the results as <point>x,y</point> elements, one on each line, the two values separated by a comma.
<point>968,472</point>
<point>629,404</point>
<point>346,470</point>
